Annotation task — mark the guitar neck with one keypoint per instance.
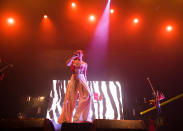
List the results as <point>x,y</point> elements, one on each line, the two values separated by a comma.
<point>4,68</point>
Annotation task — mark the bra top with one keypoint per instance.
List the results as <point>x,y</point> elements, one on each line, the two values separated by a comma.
<point>78,67</point>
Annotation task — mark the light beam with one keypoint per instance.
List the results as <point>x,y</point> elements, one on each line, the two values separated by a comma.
<point>98,47</point>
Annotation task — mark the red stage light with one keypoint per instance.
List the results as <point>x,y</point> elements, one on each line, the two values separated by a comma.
<point>111,11</point>
<point>136,20</point>
<point>45,16</point>
<point>92,18</point>
<point>73,5</point>
<point>10,21</point>
<point>169,28</point>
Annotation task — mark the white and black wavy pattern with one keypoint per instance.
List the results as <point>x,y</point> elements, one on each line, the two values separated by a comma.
<point>106,100</point>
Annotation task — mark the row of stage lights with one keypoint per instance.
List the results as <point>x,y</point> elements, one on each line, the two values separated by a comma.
<point>91,18</point>
<point>169,28</point>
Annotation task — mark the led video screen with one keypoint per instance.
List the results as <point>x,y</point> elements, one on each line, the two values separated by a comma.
<point>106,100</point>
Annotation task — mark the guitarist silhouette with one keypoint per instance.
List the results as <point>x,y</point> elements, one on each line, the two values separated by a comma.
<point>3,67</point>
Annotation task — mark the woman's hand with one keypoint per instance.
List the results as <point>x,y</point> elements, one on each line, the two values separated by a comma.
<point>75,56</point>
<point>69,62</point>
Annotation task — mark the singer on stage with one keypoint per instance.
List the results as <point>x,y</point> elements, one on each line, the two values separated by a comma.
<point>77,87</point>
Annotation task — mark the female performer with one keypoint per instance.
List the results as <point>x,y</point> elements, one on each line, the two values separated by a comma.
<point>77,87</point>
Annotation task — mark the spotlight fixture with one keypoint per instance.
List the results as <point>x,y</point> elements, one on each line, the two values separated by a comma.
<point>10,21</point>
<point>169,28</point>
<point>136,20</point>
<point>92,18</point>
<point>45,16</point>
<point>73,5</point>
<point>111,11</point>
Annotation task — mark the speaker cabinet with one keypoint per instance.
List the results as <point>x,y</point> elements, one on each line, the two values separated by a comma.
<point>26,125</point>
<point>116,125</point>
<point>77,127</point>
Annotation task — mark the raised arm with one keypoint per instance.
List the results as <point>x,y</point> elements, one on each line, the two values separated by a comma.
<point>69,62</point>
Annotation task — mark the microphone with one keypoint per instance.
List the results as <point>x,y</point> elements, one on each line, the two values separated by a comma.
<point>78,54</point>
